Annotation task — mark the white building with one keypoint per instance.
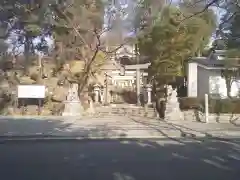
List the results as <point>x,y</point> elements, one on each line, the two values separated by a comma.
<point>204,76</point>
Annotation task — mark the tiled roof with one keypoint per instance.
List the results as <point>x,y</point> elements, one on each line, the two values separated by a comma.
<point>207,62</point>
<point>214,62</point>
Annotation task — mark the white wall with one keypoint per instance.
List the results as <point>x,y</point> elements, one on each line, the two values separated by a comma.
<point>202,81</point>
<point>192,80</point>
<point>218,86</point>
<point>211,82</point>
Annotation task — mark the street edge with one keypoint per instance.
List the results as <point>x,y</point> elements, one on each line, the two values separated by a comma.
<point>101,138</point>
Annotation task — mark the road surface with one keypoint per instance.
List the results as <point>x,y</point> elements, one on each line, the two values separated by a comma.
<point>120,160</point>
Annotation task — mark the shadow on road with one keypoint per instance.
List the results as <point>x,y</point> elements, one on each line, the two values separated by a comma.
<point>185,131</point>
<point>166,159</point>
<point>120,160</point>
<point>34,127</point>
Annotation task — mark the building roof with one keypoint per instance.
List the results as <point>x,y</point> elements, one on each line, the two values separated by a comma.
<point>207,62</point>
<point>215,63</point>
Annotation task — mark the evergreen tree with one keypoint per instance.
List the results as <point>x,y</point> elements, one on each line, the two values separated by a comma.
<point>26,21</point>
<point>3,44</point>
<point>172,40</point>
<point>233,38</point>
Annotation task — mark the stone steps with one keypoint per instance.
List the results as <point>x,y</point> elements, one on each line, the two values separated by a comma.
<point>142,112</point>
<point>130,111</point>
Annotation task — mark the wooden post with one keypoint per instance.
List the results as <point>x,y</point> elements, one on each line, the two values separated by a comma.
<point>106,90</point>
<point>39,106</point>
<point>22,106</point>
<point>15,106</point>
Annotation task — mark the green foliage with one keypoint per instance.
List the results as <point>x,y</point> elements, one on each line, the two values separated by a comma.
<point>174,39</point>
<point>3,45</point>
<point>187,103</point>
<point>217,106</point>
<point>233,41</point>
<point>28,16</point>
<point>228,30</point>
<point>231,70</point>
<point>227,106</point>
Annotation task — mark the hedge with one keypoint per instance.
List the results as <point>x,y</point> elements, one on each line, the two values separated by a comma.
<point>215,105</point>
<point>186,103</point>
<point>224,106</point>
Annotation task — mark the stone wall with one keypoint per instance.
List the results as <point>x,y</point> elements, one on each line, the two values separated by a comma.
<point>224,118</point>
<point>192,115</point>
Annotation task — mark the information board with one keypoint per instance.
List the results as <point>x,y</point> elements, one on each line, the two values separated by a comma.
<point>31,91</point>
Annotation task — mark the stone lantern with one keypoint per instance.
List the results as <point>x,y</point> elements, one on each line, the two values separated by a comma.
<point>148,88</point>
<point>96,89</point>
<point>122,71</point>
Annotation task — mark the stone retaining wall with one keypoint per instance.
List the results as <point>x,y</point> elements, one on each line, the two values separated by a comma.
<point>192,115</point>
<point>224,117</point>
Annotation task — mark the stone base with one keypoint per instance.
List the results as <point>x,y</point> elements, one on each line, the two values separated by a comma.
<point>174,116</point>
<point>71,114</point>
<point>173,111</point>
<point>73,108</point>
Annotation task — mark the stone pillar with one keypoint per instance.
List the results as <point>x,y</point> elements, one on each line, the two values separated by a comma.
<point>192,80</point>
<point>96,89</point>
<point>102,95</point>
<point>149,93</point>
<point>138,86</point>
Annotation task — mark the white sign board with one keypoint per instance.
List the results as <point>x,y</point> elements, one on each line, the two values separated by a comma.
<point>31,91</point>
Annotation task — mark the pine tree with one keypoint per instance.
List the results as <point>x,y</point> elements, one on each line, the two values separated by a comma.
<point>172,40</point>
<point>25,21</point>
<point>3,44</point>
<point>233,38</point>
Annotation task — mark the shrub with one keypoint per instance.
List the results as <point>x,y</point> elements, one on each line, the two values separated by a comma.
<point>216,105</point>
<point>224,106</point>
<point>187,103</point>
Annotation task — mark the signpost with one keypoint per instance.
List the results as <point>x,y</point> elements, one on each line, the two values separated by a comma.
<point>31,92</point>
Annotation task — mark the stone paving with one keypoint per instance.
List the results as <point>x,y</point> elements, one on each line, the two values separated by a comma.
<point>111,127</point>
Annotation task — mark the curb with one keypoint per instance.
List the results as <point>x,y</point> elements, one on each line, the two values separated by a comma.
<point>180,139</point>
<point>93,138</point>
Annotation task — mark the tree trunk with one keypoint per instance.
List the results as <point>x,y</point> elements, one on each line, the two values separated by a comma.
<point>27,45</point>
<point>228,86</point>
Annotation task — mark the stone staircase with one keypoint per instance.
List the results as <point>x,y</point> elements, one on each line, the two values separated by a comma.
<point>135,111</point>
<point>126,110</point>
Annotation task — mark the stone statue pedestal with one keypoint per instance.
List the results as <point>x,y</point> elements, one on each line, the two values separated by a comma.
<point>173,111</point>
<point>90,110</point>
<point>73,106</point>
<point>148,88</point>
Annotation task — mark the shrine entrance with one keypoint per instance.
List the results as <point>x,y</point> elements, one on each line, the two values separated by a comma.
<point>128,87</point>
<point>122,89</point>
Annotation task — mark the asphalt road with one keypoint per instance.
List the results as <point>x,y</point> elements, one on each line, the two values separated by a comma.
<point>120,160</point>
